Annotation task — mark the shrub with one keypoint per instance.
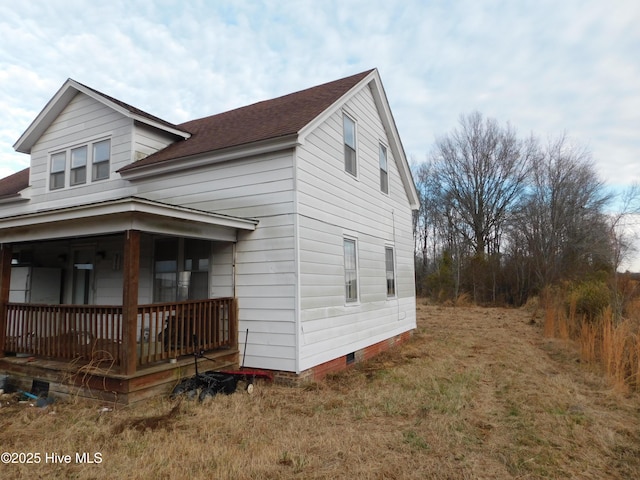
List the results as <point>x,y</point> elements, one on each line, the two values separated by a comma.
<point>590,299</point>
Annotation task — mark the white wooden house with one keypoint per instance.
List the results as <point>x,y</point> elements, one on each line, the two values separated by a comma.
<point>289,219</point>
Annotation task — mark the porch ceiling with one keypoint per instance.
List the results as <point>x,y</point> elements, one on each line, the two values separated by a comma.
<point>113,216</point>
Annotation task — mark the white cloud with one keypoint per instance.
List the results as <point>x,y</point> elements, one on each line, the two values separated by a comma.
<point>546,67</point>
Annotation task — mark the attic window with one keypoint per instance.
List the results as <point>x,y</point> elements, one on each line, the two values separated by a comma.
<point>384,172</point>
<point>349,145</point>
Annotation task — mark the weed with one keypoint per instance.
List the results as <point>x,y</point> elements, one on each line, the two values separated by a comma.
<point>415,441</point>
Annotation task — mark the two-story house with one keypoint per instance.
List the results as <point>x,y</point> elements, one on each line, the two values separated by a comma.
<point>276,235</point>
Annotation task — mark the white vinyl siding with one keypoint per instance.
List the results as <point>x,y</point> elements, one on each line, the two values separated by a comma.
<point>331,208</point>
<point>148,140</point>
<point>82,122</point>
<point>259,187</point>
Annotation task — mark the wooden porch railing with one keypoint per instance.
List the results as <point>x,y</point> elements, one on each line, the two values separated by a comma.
<point>168,330</point>
<point>89,332</point>
<point>94,332</point>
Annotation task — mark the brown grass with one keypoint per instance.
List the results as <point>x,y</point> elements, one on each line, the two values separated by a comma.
<point>615,346</point>
<point>477,393</point>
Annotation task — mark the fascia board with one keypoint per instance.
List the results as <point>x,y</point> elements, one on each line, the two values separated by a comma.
<point>389,123</point>
<point>123,206</point>
<point>47,115</point>
<point>380,98</point>
<point>326,114</point>
<point>120,109</point>
<point>61,99</point>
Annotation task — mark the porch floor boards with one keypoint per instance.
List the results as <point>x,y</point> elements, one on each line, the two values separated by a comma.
<point>68,379</point>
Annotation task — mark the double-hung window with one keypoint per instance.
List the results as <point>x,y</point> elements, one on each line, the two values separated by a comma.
<point>78,165</point>
<point>391,271</point>
<point>384,173</point>
<point>58,169</point>
<point>101,154</point>
<point>350,270</point>
<point>350,157</point>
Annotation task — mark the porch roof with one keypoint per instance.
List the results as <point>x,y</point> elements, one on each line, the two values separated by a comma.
<point>113,216</point>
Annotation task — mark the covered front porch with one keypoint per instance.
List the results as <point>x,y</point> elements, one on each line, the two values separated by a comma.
<point>94,333</point>
<point>117,313</point>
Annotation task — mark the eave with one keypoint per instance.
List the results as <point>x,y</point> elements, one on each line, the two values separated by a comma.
<point>113,216</point>
<point>208,158</point>
<point>61,99</point>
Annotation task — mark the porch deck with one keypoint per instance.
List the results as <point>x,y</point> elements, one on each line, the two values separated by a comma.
<point>80,347</point>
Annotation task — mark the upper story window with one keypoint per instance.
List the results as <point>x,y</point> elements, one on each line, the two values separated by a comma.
<point>96,154</point>
<point>349,126</point>
<point>101,155</point>
<point>384,173</point>
<point>58,169</point>
<point>78,165</point>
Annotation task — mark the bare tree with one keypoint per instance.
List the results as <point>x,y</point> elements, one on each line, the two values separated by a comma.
<point>481,168</point>
<point>562,217</point>
<point>624,238</point>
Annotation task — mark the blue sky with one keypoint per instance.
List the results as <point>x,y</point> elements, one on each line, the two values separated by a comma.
<point>547,67</point>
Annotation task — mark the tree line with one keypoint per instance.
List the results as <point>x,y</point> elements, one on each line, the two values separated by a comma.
<point>503,216</point>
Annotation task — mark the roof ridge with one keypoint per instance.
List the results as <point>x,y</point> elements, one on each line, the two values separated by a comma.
<point>291,94</point>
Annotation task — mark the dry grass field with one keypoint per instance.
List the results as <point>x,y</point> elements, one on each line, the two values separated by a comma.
<point>477,393</point>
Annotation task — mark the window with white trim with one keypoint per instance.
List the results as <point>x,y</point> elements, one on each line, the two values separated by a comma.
<point>350,157</point>
<point>58,170</point>
<point>78,165</point>
<point>390,267</point>
<point>384,175</point>
<point>350,270</point>
<point>101,155</point>
<point>95,154</point>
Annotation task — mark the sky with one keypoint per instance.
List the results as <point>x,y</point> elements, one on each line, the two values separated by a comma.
<point>545,67</point>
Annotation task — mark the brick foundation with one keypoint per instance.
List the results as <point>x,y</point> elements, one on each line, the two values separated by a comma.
<point>338,364</point>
